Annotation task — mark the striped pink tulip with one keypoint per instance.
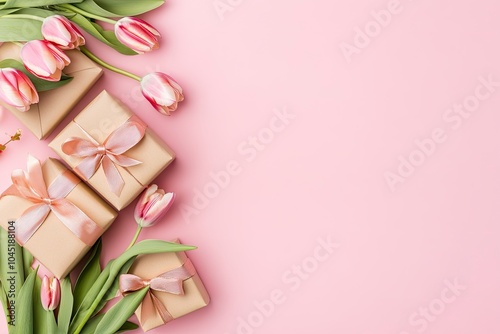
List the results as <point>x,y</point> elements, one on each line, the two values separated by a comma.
<point>62,32</point>
<point>44,59</point>
<point>50,293</point>
<point>152,206</point>
<point>137,34</point>
<point>16,89</point>
<point>162,92</point>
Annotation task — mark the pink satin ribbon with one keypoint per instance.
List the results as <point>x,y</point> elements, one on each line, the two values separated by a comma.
<point>109,154</point>
<point>169,282</point>
<point>31,186</point>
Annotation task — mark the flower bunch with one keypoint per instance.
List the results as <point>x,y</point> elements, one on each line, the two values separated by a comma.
<point>55,26</point>
<point>60,307</point>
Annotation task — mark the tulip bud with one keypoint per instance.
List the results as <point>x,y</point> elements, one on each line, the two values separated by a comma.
<point>16,89</point>
<point>50,293</point>
<point>152,206</point>
<point>44,59</point>
<point>137,34</point>
<point>62,32</point>
<point>162,92</point>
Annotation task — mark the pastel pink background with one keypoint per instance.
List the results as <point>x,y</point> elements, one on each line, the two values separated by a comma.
<point>323,175</point>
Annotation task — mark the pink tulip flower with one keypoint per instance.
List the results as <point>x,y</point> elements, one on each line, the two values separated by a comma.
<point>44,59</point>
<point>162,92</point>
<point>62,32</point>
<point>50,293</point>
<point>137,34</point>
<point>152,206</point>
<point>16,89</point>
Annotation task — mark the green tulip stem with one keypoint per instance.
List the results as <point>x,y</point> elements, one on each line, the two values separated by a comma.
<point>110,67</point>
<point>137,232</point>
<point>86,14</point>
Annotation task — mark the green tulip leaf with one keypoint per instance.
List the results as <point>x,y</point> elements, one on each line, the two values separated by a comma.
<point>22,28</point>
<point>107,278</point>
<point>116,317</point>
<point>40,84</point>
<point>127,326</point>
<point>106,8</point>
<point>128,7</point>
<point>91,7</point>
<point>88,276</point>
<point>4,302</point>
<point>35,12</point>
<point>3,299</point>
<point>51,322</point>
<point>66,307</point>
<point>40,319</point>
<point>4,265</point>
<point>27,261</point>
<point>91,326</point>
<point>24,312</point>
<point>8,11</point>
<point>112,292</point>
<point>11,269</point>
<point>14,29</point>
<point>106,36</point>
<point>82,311</point>
<point>35,3</point>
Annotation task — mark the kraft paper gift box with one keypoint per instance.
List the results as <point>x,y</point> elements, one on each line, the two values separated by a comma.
<point>103,119</point>
<point>195,295</point>
<point>57,247</point>
<point>55,104</point>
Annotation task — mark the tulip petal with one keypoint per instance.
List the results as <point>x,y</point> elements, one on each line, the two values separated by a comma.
<point>160,207</point>
<point>153,205</point>
<point>45,293</point>
<point>56,31</point>
<point>141,204</point>
<point>61,31</point>
<point>16,89</point>
<point>55,294</point>
<point>9,92</point>
<point>162,91</point>
<point>137,34</point>
<point>44,59</point>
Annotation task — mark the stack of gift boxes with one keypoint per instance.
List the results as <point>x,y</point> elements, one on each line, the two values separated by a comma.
<point>112,156</point>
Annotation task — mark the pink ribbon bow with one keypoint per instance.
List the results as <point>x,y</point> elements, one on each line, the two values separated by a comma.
<point>168,282</point>
<point>31,186</point>
<point>107,155</point>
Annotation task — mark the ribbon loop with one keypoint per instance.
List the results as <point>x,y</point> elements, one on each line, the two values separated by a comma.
<point>109,154</point>
<point>169,282</point>
<point>31,186</point>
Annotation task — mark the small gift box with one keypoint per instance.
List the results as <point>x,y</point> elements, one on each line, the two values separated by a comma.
<point>53,214</point>
<point>112,150</point>
<point>55,104</point>
<point>175,288</point>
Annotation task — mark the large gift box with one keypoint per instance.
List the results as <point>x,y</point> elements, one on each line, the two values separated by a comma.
<point>175,288</point>
<point>54,214</point>
<point>112,150</point>
<point>55,104</point>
